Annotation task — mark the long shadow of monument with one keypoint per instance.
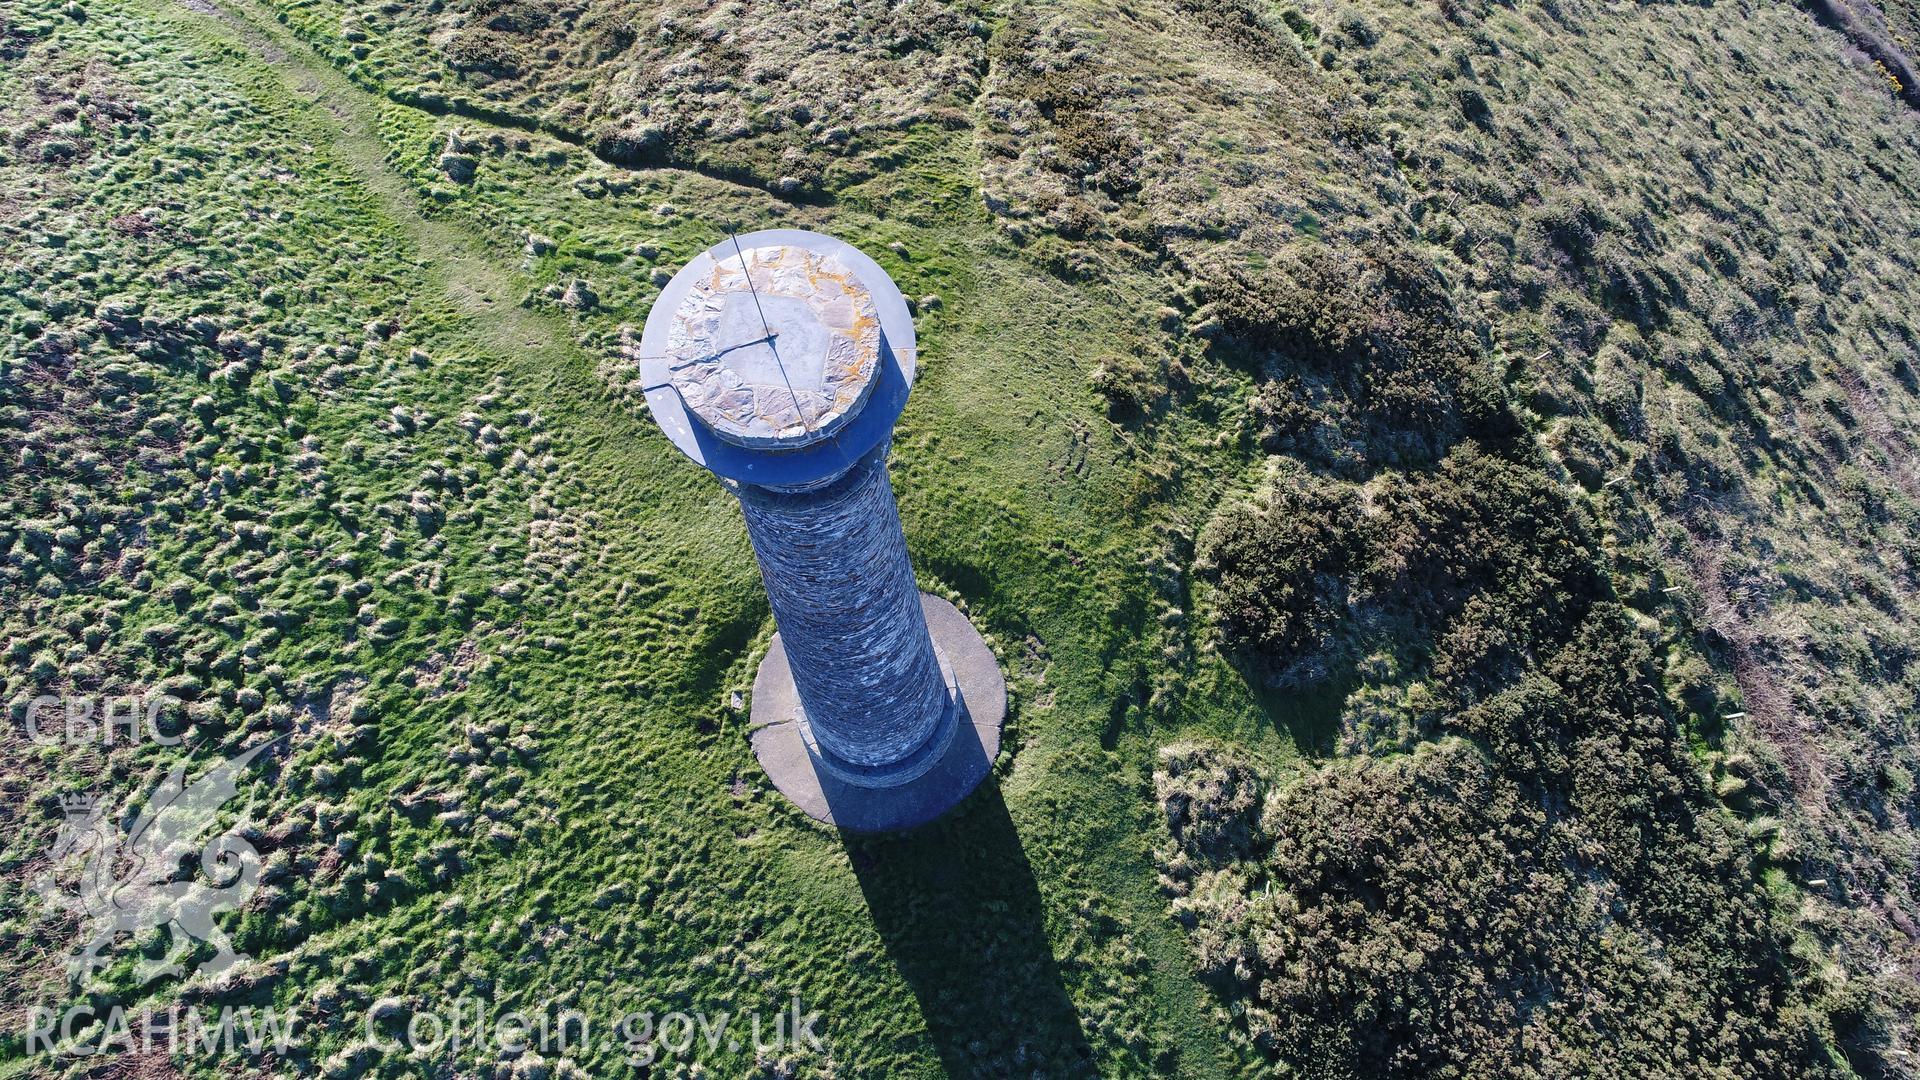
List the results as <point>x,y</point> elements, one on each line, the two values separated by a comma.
<point>957,906</point>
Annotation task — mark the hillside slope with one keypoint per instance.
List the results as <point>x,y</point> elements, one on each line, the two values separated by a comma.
<point>1452,537</point>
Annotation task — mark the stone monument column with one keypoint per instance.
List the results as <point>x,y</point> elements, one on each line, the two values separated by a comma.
<point>780,361</point>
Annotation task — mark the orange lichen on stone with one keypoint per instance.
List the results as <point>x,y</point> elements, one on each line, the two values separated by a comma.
<point>777,346</point>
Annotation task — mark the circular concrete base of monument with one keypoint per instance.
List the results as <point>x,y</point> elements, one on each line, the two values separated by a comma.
<point>778,730</point>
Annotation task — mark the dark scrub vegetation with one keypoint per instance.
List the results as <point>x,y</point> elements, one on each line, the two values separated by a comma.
<point>1491,903</point>
<point>1368,364</point>
<point>1485,888</point>
<point>1475,566</point>
<point>1282,573</point>
<point>1459,912</point>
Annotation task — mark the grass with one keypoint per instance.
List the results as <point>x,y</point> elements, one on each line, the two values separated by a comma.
<point>1011,498</point>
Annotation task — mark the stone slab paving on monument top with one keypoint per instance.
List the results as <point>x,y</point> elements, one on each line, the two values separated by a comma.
<point>867,400</point>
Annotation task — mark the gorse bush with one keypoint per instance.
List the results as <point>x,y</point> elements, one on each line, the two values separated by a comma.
<point>1284,573</point>
<point>1361,341</point>
<point>1476,565</point>
<point>1545,896</point>
<point>1491,903</point>
<point>1484,557</point>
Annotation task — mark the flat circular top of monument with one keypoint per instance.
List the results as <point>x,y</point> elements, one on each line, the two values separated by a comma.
<point>778,463</point>
<point>775,346</point>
